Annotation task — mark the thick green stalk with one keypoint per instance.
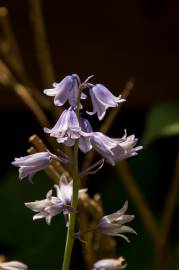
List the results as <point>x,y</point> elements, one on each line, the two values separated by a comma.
<point>72,218</point>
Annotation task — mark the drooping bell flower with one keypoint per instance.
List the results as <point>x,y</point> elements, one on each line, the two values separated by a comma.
<point>113,224</point>
<point>31,164</point>
<point>102,99</point>
<point>67,128</point>
<point>66,90</point>
<point>114,149</point>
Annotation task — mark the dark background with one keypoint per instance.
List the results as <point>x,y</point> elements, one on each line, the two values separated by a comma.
<point>112,40</point>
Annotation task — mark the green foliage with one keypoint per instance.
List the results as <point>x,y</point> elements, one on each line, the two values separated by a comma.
<point>162,121</point>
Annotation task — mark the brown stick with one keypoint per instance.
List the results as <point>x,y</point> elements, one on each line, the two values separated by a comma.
<point>23,93</point>
<point>167,219</point>
<point>140,203</point>
<point>7,80</point>
<point>10,54</point>
<point>41,43</point>
<point>8,43</point>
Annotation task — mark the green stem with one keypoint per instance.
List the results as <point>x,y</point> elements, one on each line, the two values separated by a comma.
<point>72,218</point>
<point>76,187</point>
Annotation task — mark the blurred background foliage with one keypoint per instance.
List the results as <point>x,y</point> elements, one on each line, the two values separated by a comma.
<point>112,41</point>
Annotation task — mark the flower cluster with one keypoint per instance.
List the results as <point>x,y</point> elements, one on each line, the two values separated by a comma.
<point>70,128</point>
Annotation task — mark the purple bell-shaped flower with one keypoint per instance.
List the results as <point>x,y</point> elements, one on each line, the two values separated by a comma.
<point>66,90</point>
<point>102,99</point>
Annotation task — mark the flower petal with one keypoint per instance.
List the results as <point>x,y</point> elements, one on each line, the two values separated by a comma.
<point>63,90</point>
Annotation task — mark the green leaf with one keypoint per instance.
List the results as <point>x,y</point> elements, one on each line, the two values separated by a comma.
<point>162,121</point>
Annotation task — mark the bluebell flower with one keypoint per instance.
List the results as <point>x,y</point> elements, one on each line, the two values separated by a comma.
<point>54,205</point>
<point>102,99</point>
<point>66,90</point>
<point>13,265</point>
<point>110,264</point>
<point>67,128</point>
<point>114,149</point>
<point>113,224</point>
<point>31,164</point>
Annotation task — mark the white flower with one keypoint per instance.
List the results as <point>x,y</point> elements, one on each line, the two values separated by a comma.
<point>54,205</point>
<point>13,265</point>
<point>110,264</point>
<point>114,224</point>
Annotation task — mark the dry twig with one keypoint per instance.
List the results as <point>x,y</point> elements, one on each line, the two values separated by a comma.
<point>167,219</point>
<point>11,56</point>
<point>41,43</point>
<point>136,195</point>
<point>8,81</point>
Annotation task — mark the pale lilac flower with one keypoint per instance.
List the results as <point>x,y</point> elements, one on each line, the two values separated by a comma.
<point>67,128</point>
<point>31,164</point>
<point>67,89</point>
<point>102,99</point>
<point>65,190</point>
<point>114,224</point>
<point>54,205</point>
<point>110,264</point>
<point>13,265</point>
<point>114,149</point>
